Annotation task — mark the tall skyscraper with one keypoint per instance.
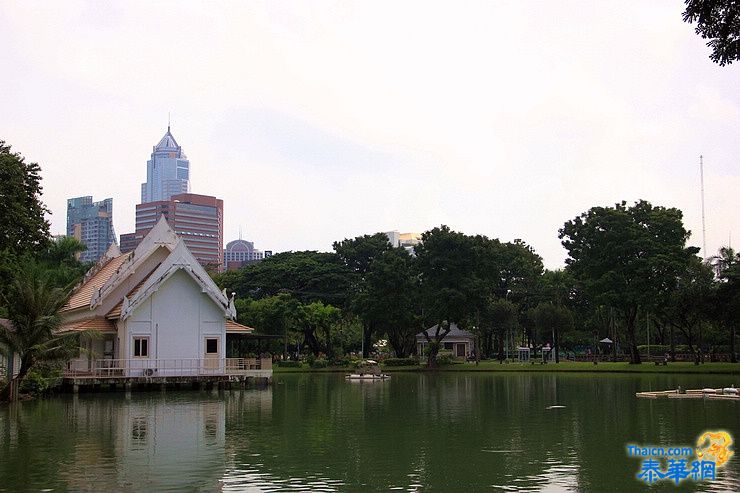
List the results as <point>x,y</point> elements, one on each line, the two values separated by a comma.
<point>197,219</point>
<point>92,224</point>
<point>167,172</point>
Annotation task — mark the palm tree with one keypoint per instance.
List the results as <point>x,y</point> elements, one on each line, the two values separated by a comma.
<point>33,305</point>
<point>724,261</point>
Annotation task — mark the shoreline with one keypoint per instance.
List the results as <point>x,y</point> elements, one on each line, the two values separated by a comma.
<point>565,367</point>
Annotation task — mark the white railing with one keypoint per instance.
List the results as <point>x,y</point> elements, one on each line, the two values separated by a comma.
<point>183,367</point>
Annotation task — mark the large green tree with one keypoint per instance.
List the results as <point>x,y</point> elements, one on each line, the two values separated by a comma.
<point>502,315</point>
<point>23,228</point>
<point>627,257</point>
<point>551,318</point>
<point>448,283</point>
<point>359,254</point>
<point>308,276</point>
<point>392,300</point>
<point>719,22</point>
<point>316,321</point>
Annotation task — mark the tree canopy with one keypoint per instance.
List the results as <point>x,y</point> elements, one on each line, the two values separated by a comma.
<point>23,227</point>
<point>719,22</point>
<point>627,257</point>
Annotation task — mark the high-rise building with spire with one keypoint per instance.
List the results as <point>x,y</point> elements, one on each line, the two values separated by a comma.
<point>167,172</point>
<point>197,219</point>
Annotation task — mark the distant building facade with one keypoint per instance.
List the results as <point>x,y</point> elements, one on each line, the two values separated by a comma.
<point>167,172</point>
<point>92,224</point>
<point>197,219</point>
<point>405,240</point>
<point>239,253</point>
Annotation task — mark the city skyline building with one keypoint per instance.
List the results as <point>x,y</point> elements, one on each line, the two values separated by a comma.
<point>92,224</point>
<point>197,219</point>
<point>405,240</point>
<point>239,253</point>
<point>167,172</point>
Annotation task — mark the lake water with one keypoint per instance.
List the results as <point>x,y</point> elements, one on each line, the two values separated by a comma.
<point>447,432</point>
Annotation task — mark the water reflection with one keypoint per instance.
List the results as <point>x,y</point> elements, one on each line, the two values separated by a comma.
<point>319,433</point>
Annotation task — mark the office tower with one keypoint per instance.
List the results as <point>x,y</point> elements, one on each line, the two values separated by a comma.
<point>197,219</point>
<point>167,172</point>
<point>92,224</point>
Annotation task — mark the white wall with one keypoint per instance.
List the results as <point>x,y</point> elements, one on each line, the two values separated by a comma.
<point>177,318</point>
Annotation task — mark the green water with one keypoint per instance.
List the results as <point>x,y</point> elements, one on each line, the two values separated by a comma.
<point>445,432</point>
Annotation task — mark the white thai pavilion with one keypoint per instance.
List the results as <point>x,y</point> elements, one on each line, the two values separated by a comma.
<point>157,313</point>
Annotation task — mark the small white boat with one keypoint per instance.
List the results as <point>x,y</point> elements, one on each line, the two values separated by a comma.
<point>368,370</point>
<point>367,376</point>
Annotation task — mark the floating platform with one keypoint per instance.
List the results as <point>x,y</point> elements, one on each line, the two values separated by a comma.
<point>731,394</point>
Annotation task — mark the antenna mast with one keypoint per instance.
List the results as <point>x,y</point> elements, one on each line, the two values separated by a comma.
<point>703,223</point>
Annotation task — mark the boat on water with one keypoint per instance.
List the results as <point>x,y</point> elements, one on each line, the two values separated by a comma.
<point>727,393</point>
<point>368,370</point>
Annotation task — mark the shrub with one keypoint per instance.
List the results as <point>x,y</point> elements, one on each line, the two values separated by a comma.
<point>401,362</point>
<point>319,363</point>
<point>289,364</point>
<point>41,379</point>
<point>445,358</point>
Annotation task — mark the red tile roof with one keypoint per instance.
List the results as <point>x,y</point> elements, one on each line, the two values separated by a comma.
<point>97,323</point>
<point>235,328</point>
<point>83,294</point>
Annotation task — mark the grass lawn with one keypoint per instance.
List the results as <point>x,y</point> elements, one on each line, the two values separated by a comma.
<point>495,366</point>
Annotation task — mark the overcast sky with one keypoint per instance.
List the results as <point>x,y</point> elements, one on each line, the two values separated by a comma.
<point>318,121</point>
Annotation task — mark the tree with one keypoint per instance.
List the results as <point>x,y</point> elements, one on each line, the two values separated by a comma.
<point>501,315</point>
<point>727,268</point>
<point>551,317</point>
<point>448,282</point>
<point>307,276</point>
<point>23,228</point>
<point>33,305</point>
<point>719,22</point>
<point>627,257</point>
<point>317,319</point>
<point>391,299</point>
<point>359,255</point>
<point>688,305</point>
<point>60,258</point>
<point>273,315</point>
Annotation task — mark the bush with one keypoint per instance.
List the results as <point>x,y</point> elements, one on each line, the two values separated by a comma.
<point>289,364</point>
<point>445,358</point>
<point>401,362</point>
<point>41,380</point>
<point>319,363</point>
